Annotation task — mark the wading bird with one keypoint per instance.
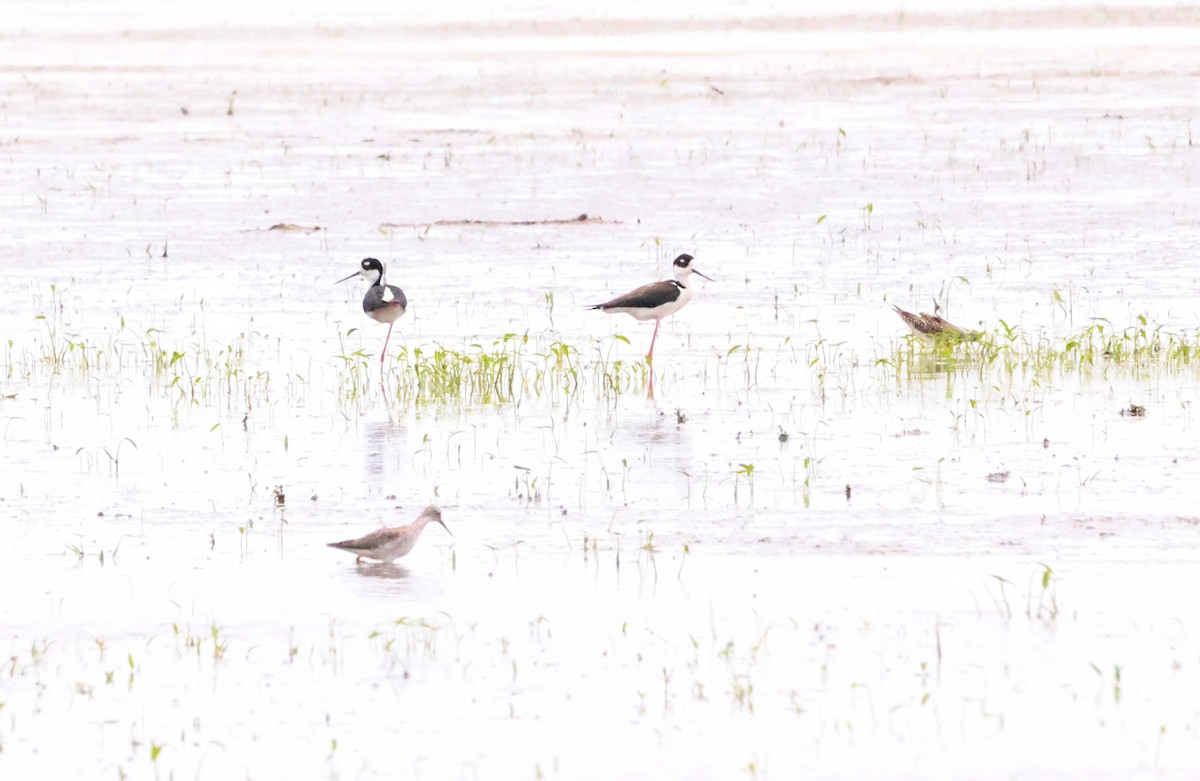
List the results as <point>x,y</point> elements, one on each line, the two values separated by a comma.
<point>934,325</point>
<point>382,303</point>
<point>658,299</point>
<point>388,544</point>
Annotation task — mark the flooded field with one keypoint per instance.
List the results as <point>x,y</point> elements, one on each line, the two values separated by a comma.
<point>803,544</point>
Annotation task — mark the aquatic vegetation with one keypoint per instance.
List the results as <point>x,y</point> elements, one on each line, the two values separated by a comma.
<point>511,369</point>
<point>744,472</point>
<point>239,374</point>
<point>246,370</point>
<point>194,369</point>
<point>1134,350</point>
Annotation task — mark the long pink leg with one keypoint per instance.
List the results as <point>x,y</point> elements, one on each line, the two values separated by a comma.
<point>650,356</point>
<point>385,343</point>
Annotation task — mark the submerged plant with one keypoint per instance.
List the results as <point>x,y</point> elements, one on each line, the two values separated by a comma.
<point>1099,347</point>
<point>510,370</point>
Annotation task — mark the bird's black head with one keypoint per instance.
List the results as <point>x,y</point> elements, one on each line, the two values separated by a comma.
<point>684,270</point>
<point>370,269</point>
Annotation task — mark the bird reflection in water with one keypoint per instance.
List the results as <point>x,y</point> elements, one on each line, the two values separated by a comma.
<point>383,570</point>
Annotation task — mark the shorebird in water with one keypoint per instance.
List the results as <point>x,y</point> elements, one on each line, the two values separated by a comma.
<point>382,303</point>
<point>658,299</point>
<point>934,325</point>
<point>388,544</point>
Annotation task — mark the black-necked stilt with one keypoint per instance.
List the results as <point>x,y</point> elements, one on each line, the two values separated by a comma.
<point>382,303</point>
<point>658,299</point>
<point>389,544</point>
<point>933,325</point>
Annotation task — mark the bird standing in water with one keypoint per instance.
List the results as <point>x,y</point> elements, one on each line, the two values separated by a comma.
<point>934,325</point>
<point>658,299</point>
<point>388,544</point>
<point>382,303</point>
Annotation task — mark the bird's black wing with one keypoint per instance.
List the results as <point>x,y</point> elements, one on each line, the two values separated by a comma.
<point>646,296</point>
<point>383,296</point>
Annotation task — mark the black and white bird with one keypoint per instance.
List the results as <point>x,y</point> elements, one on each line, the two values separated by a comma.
<point>382,303</point>
<point>658,299</point>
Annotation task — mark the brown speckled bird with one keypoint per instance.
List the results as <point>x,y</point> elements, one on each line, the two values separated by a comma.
<point>926,324</point>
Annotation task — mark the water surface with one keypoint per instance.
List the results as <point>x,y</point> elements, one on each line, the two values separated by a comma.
<point>793,560</point>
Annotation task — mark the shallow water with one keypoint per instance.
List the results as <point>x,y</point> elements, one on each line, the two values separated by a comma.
<point>793,560</point>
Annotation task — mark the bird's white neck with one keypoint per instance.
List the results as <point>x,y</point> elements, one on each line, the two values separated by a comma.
<point>685,292</point>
